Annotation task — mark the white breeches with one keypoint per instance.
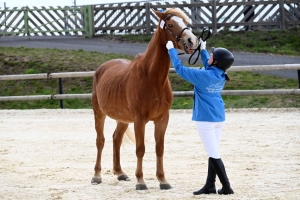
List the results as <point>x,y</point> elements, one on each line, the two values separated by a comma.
<point>210,134</point>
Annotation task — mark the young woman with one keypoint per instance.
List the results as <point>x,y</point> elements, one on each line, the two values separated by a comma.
<point>209,110</point>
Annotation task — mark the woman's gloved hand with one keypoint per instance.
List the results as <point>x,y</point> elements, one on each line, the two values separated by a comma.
<point>169,45</point>
<point>203,44</point>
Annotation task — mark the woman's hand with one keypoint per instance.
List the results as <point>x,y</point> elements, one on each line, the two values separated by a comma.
<point>202,44</point>
<point>169,45</point>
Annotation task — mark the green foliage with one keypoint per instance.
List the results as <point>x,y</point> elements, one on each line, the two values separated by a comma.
<point>183,103</point>
<point>31,71</point>
<point>275,41</point>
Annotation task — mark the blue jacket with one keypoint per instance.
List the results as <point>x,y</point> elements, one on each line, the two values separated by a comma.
<point>208,85</point>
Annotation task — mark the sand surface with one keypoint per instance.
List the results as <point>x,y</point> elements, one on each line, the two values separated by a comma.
<point>50,154</point>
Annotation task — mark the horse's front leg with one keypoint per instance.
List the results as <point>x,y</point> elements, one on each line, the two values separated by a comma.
<point>159,134</point>
<point>139,129</point>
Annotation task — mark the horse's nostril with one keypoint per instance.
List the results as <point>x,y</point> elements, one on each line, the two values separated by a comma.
<point>190,41</point>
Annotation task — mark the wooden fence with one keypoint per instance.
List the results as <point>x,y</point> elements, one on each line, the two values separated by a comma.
<point>175,93</point>
<point>137,17</point>
<point>216,14</point>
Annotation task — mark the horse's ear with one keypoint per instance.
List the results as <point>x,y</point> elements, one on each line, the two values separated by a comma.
<point>159,14</point>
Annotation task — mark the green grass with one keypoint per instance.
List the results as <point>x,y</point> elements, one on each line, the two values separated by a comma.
<point>29,61</point>
<point>276,42</point>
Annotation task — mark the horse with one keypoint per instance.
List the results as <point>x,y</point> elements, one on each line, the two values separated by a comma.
<point>137,92</point>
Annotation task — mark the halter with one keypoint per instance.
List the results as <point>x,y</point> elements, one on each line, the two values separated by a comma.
<point>177,38</point>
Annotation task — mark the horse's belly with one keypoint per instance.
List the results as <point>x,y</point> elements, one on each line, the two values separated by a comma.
<point>115,107</point>
<point>110,90</point>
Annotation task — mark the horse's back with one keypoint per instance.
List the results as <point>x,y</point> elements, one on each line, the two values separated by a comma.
<point>111,71</point>
<point>114,67</point>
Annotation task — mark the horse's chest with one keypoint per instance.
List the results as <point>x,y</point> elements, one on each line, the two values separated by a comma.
<point>159,99</point>
<point>155,94</point>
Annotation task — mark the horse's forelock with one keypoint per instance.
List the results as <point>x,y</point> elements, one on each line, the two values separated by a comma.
<point>178,13</point>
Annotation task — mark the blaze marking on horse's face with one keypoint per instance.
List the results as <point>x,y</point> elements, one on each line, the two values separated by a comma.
<point>187,36</point>
<point>179,21</point>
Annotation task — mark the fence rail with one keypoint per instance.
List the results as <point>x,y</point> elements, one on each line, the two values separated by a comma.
<point>91,73</point>
<point>175,93</point>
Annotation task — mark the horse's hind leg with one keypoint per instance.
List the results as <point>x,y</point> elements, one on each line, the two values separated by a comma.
<point>99,126</point>
<point>117,141</point>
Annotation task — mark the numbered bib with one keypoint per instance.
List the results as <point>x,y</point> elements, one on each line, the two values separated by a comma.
<point>162,24</point>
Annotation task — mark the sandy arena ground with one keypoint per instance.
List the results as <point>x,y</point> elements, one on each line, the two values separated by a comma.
<point>50,154</point>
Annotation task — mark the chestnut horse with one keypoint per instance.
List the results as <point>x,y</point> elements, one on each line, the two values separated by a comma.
<point>139,91</point>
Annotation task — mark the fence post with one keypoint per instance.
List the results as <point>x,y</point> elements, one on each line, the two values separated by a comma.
<point>26,21</point>
<point>65,20</point>
<point>61,102</point>
<point>298,78</point>
<point>89,20</point>
<point>148,13</point>
<point>282,15</point>
<point>5,16</point>
<point>214,16</point>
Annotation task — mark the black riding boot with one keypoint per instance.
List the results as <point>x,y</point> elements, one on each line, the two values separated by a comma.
<point>220,170</point>
<point>209,186</point>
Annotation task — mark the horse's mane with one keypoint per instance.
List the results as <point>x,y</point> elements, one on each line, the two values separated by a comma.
<point>178,13</point>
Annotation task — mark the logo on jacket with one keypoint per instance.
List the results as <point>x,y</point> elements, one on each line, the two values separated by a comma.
<point>215,87</point>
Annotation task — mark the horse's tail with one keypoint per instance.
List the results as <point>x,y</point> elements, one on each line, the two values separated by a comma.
<point>129,134</point>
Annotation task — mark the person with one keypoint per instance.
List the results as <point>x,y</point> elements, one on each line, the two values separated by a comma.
<point>209,110</point>
<point>249,17</point>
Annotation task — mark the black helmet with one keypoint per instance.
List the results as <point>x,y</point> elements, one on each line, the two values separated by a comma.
<point>223,57</point>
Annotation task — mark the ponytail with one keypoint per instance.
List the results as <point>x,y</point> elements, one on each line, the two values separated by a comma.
<point>227,77</point>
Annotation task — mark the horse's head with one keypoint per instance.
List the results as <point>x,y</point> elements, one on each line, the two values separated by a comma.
<point>173,24</point>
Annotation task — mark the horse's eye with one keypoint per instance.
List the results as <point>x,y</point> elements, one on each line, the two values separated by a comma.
<point>170,25</point>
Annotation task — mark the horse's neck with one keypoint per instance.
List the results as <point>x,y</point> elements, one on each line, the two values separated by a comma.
<point>157,58</point>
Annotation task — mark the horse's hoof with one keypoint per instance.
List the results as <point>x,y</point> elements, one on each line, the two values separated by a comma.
<point>123,177</point>
<point>96,180</point>
<point>165,186</point>
<point>141,187</point>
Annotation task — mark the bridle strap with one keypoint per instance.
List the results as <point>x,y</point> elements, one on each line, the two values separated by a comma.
<point>177,38</point>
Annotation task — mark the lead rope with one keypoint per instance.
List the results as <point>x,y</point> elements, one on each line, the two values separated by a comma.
<point>198,47</point>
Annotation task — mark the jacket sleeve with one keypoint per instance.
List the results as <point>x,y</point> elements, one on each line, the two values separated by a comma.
<point>205,57</point>
<point>189,74</point>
